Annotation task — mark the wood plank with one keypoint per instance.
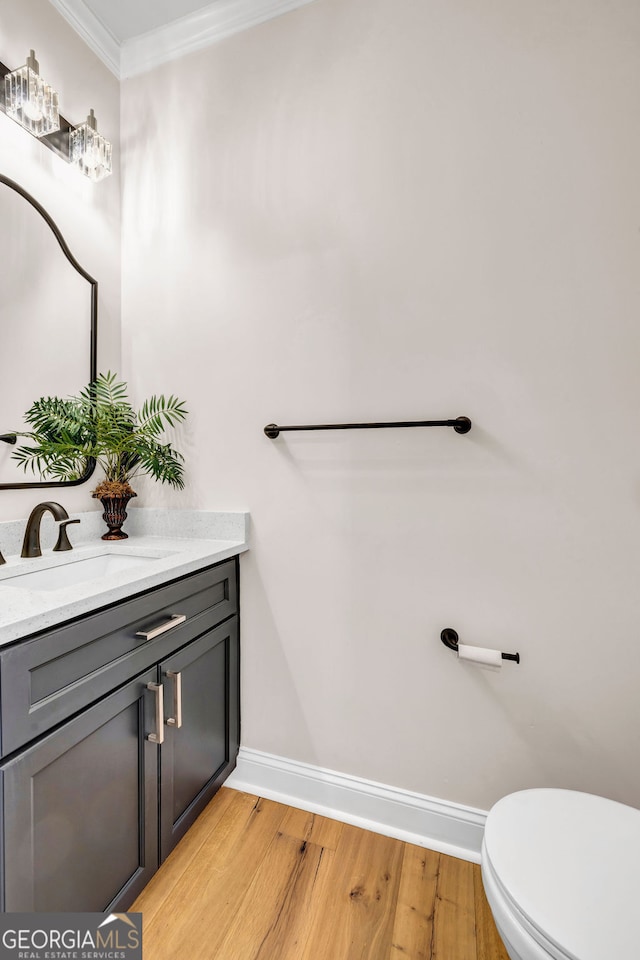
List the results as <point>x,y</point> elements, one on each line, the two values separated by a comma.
<point>179,860</point>
<point>274,919</point>
<point>488,942</point>
<point>313,828</point>
<point>256,880</point>
<point>198,911</point>
<point>355,920</point>
<point>454,933</point>
<point>412,937</point>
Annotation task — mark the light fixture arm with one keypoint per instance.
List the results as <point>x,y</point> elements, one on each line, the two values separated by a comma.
<point>32,63</point>
<point>81,145</point>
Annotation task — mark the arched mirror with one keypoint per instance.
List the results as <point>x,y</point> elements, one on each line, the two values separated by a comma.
<point>48,323</point>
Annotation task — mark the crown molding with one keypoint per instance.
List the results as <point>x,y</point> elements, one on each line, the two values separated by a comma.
<point>92,31</point>
<point>220,19</point>
<point>198,30</point>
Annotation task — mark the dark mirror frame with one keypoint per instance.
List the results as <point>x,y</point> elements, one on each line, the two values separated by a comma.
<point>93,349</point>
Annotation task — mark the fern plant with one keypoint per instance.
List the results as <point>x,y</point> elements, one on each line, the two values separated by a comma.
<point>100,424</point>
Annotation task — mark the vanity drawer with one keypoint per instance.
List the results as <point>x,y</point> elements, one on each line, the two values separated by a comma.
<point>46,680</point>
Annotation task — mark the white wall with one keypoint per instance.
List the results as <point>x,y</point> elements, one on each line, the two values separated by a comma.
<point>373,210</point>
<point>87,214</point>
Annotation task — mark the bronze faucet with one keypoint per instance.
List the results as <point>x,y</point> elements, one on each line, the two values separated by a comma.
<point>31,542</point>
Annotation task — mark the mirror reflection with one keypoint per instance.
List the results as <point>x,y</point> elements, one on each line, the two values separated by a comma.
<point>48,307</point>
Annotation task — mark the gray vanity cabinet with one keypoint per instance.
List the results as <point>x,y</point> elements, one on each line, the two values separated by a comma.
<point>80,810</point>
<point>139,705</point>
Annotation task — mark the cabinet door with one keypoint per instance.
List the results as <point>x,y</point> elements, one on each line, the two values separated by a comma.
<point>198,755</point>
<point>80,809</point>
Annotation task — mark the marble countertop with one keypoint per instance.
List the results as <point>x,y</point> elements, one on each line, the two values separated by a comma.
<point>167,543</point>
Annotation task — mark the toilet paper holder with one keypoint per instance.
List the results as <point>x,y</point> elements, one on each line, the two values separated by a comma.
<point>450,639</point>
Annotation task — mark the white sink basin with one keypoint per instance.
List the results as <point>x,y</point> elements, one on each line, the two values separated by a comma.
<point>76,571</point>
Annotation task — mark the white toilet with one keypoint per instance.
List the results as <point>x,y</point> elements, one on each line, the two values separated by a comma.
<point>561,871</point>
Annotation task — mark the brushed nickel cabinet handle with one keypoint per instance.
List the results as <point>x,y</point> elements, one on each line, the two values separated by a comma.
<point>176,719</point>
<point>158,736</point>
<point>172,622</point>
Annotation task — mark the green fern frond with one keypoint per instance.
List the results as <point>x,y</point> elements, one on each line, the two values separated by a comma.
<point>100,424</point>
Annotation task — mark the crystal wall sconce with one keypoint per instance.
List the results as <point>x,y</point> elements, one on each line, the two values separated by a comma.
<point>33,103</point>
<point>30,100</point>
<point>89,151</point>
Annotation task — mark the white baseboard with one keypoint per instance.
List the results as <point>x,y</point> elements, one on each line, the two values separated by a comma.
<point>439,825</point>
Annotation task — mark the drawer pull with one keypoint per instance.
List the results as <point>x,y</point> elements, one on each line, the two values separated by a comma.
<point>176,719</point>
<point>158,736</point>
<point>174,621</point>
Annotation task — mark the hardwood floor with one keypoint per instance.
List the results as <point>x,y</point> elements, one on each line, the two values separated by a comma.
<point>257,880</point>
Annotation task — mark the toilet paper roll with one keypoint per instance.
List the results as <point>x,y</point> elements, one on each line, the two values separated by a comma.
<point>491,658</point>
